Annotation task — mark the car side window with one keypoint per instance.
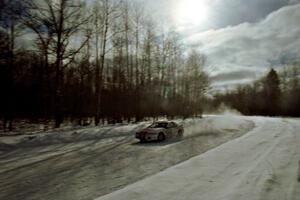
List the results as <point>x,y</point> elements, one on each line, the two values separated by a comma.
<point>172,125</point>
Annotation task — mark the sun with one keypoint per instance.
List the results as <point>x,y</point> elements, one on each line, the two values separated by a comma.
<point>193,12</point>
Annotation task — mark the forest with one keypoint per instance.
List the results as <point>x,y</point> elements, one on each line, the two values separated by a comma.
<point>109,60</point>
<point>275,94</point>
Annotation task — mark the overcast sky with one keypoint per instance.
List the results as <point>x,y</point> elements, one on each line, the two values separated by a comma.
<point>242,38</point>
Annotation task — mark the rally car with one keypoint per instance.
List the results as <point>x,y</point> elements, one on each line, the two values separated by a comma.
<point>160,131</point>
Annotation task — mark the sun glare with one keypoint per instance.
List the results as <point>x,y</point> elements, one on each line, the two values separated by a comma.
<point>191,12</point>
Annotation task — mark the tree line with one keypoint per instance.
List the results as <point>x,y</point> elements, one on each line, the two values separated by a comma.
<point>107,59</point>
<point>276,94</point>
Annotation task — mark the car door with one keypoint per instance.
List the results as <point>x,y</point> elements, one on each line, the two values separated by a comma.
<point>172,129</point>
<point>169,130</point>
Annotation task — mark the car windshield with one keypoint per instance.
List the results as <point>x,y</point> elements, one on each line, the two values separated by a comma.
<point>159,125</point>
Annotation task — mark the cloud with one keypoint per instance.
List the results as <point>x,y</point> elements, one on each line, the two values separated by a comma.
<point>221,13</point>
<point>294,1</point>
<point>234,12</point>
<point>234,76</point>
<point>26,41</point>
<point>249,49</point>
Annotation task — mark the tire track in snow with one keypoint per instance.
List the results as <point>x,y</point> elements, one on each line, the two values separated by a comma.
<point>110,147</point>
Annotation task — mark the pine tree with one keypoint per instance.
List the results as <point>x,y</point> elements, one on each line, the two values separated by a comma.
<point>272,93</point>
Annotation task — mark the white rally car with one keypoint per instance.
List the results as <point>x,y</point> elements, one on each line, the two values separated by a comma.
<point>160,130</point>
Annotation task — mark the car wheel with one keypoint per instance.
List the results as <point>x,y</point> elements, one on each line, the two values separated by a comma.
<point>142,140</point>
<point>161,137</point>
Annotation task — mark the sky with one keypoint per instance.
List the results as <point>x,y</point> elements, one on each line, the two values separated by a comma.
<point>242,39</point>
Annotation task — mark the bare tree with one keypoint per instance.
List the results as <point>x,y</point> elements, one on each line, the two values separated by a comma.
<point>137,19</point>
<point>105,12</point>
<point>106,59</point>
<point>56,24</point>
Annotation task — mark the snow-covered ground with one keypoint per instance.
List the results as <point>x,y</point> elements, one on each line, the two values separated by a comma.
<point>90,162</point>
<point>261,165</point>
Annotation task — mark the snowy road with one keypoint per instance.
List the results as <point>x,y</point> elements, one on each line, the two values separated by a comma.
<point>261,165</point>
<point>85,164</point>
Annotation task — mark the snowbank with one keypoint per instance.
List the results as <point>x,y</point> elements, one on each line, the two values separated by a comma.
<point>59,137</point>
<point>209,125</point>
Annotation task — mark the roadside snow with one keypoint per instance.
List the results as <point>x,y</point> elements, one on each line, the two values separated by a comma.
<point>261,165</point>
<point>60,137</point>
<point>193,127</point>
